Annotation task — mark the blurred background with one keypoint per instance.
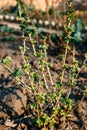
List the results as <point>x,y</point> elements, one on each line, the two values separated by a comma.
<point>79,5</point>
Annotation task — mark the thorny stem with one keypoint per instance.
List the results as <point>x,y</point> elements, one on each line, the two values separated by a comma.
<point>74,66</point>
<point>24,46</point>
<point>50,75</point>
<point>59,96</point>
<point>81,68</point>
<point>47,65</point>
<point>45,81</point>
<point>33,46</point>
<point>64,61</point>
<point>68,36</point>
<point>19,9</point>
<point>42,69</point>
<point>74,52</point>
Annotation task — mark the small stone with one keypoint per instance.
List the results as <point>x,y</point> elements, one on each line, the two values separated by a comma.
<point>40,22</point>
<point>7,17</point>
<point>46,22</point>
<point>12,18</point>
<point>10,123</point>
<point>53,23</point>
<point>1,17</point>
<point>23,126</point>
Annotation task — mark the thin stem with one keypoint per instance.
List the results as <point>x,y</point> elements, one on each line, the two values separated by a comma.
<point>33,46</point>
<point>24,47</point>
<point>45,81</point>
<point>74,66</point>
<point>64,61</point>
<point>46,60</point>
<point>81,68</point>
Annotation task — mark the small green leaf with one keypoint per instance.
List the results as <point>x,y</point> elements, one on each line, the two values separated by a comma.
<point>7,60</point>
<point>17,73</point>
